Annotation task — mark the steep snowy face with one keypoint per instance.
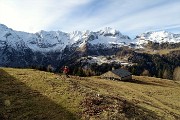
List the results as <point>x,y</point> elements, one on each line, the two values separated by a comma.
<point>107,31</point>
<point>78,38</point>
<point>109,36</point>
<point>9,37</point>
<point>105,37</point>
<point>41,41</point>
<point>50,41</point>
<point>158,37</point>
<point>46,41</point>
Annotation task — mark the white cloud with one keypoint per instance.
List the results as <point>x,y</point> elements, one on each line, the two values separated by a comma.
<point>128,16</point>
<point>34,15</point>
<point>159,16</point>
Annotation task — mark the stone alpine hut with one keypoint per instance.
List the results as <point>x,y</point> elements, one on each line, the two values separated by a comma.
<point>117,74</point>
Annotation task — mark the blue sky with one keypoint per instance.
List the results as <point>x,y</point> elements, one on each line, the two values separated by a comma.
<point>131,17</point>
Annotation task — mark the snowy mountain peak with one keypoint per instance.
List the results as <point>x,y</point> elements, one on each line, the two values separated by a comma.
<point>158,37</point>
<point>108,31</point>
<point>4,29</point>
<point>2,26</point>
<point>158,34</point>
<point>45,41</point>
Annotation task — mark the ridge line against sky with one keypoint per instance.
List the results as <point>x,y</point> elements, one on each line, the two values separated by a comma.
<point>131,17</point>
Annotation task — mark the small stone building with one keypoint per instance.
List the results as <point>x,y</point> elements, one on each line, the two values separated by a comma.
<point>117,74</point>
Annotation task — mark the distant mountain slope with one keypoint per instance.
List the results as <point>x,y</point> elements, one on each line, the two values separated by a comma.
<point>56,48</point>
<point>21,49</point>
<point>158,37</point>
<point>32,94</point>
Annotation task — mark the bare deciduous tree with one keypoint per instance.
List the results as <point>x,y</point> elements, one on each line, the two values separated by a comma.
<point>176,74</point>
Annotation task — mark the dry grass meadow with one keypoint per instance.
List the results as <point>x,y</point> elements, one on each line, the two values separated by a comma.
<point>27,94</point>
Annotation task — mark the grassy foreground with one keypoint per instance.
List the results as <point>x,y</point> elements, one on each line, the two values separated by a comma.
<point>27,94</point>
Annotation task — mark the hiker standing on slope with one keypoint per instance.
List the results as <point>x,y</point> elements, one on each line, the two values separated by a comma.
<point>66,71</point>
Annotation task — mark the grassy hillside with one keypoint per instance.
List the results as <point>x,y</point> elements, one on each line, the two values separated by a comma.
<point>31,94</point>
<point>160,52</point>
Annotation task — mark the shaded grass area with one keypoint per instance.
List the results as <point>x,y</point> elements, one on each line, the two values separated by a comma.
<point>136,81</point>
<point>18,101</point>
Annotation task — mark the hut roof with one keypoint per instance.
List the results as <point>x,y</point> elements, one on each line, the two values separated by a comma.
<point>121,72</point>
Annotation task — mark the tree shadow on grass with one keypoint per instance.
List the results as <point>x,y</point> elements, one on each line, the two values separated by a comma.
<point>135,81</point>
<point>143,82</point>
<point>18,101</point>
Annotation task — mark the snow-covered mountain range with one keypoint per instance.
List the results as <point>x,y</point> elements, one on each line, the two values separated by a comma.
<point>22,49</point>
<point>158,37</point>
<point>44,41</point>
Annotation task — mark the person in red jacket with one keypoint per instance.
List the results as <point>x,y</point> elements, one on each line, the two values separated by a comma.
<point>66,71</point>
